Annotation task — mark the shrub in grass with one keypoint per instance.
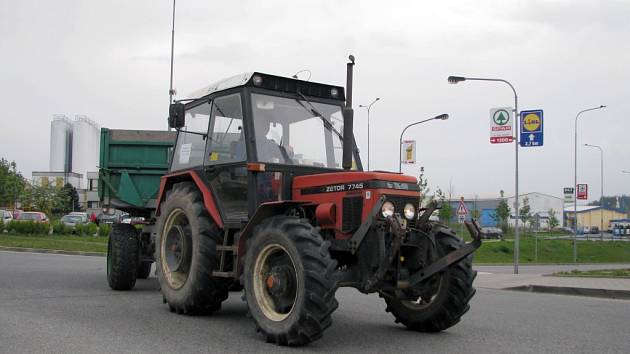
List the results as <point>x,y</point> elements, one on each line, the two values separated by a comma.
<point>1,226</point>
<point>503,249</point>
<point>79,229</point>
<point>103,230</point>
<point>11,226</point>
<point>91,229</point>
<point>59,228</point>
<point>41,228</point>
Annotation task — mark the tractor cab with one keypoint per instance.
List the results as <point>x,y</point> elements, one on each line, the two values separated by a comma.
<point>250,135</point>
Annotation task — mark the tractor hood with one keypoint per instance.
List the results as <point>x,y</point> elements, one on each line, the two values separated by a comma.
<point>348,181</point>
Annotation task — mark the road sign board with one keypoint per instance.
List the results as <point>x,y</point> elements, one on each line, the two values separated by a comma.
<point>408,152</point>
<point>461,209</point>
<point>582,191</point>
<point>569,195</point>
<point>501,125</point>
<point>531,128</point>
<point>461,218</point>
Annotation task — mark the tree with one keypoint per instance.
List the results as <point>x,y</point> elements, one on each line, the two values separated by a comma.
<point>423,184</point>
<point>502,213</point>
<point>553,219</point>
<point>11,183</point>
<point>525,212</point>
<point>67,199</point>
<point>445,211</point>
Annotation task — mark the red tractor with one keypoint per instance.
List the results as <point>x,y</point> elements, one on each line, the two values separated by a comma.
<point>266,192</point>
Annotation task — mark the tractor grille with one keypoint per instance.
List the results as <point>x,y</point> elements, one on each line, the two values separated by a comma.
<point>352,212</point>
<point>399,205</point>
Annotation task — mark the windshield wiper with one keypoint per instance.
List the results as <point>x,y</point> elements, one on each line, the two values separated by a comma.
<point>314,111</point>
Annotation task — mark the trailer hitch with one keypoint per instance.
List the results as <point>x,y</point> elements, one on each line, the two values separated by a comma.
<point>451,258</point>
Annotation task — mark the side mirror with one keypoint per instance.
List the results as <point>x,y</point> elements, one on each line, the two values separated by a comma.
<point>176,115</point>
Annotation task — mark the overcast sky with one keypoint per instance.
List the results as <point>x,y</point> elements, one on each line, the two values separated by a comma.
<point>110,60</point>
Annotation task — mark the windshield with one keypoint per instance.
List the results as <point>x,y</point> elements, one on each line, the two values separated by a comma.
<point>71,218</point>
<point>30,216</point>
<point>288,131</point>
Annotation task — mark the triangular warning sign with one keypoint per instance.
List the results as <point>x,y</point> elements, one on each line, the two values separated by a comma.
<point>461,209</point>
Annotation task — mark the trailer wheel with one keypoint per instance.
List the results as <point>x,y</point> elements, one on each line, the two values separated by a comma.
<point>186,253</point>
<point>288,281</point>
<point>444,307</point>
<point>144,270</point>
<point>122,257</point>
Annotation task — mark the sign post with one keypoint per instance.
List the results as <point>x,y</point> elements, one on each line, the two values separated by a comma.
<point>408,152</point>
<point>582,192</point>
<point>569,195</point>
<point>531,128</point>
<point>501,125</point>
<point>461,215</point>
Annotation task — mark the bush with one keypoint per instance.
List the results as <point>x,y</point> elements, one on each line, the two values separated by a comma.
<point>11,226</point>
<point>1,226</point>
<point>103,230</point>
<point>91,229</point>
<point>60,228</point>
<point>79,229</point>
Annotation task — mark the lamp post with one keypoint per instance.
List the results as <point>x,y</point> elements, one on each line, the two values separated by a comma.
<point>575,181</point>
<point>439,117</point>
<point>368,107</point>
<point>601,198</point>
<point>171,91</point>
<point>455,80</point>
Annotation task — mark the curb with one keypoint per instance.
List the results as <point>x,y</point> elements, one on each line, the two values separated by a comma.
<point>561,290</point>
<point>42,250</point>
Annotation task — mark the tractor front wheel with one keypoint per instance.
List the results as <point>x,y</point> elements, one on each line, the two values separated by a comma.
<point>288,281</point>
<point>444,306</point>
<point>122,257</point>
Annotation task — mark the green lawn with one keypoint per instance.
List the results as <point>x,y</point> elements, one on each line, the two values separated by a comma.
<point>65,243</point>
<point>601,273</point>
<point>553,251</point>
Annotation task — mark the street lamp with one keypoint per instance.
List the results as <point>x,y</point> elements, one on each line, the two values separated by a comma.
<point>439,117</point>
<point>368,126</point>
<point>171,90</point>
<point>455,80</point>
<point>601,199</point>
<point>575,181</point>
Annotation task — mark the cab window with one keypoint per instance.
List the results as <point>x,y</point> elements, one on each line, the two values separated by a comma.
<point>227,140</point>
<point>191,140</point>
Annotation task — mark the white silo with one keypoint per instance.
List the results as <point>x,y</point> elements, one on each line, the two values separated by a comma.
<point>60,144</point>
<point>85,146</point>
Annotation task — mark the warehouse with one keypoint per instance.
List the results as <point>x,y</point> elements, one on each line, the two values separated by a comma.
<point>591,215</point>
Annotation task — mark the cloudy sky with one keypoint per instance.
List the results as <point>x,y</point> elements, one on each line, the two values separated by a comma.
<point>110,60</point>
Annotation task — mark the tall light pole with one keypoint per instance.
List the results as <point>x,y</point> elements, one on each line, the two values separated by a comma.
<point>368,107</point>
<point>575,181</point>
<point>440,117</point>
<point>456,79</point>
<point>601,198</point>
<point>171,91</point>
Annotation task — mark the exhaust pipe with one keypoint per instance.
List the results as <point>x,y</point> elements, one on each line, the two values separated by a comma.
<point>348,117</point>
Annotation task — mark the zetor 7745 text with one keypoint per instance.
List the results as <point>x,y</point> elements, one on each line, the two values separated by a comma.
<point>261,188</point>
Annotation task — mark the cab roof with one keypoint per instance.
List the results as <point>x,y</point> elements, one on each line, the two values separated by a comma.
<point>276,83</point>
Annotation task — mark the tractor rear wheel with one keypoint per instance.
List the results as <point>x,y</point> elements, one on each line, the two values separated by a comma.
<point>444,307</point>
<point>288,281</point>
<point>186,253</point>
<point>122,257</point>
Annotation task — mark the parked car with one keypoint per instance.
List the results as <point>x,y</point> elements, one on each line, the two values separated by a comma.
<point>133,220</point>
<point>34,216</point>
<point>491,232</point>
<point>107,219</point>
<point>594,229</point>
<point>6,216</point>
<point>71,220</point>
<point>84,216</point>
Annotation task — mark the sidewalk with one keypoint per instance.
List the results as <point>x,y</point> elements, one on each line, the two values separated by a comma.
<point>600,287</point>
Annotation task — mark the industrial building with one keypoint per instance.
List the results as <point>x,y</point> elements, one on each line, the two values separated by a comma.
<point>591,215</point>
<point>74,147</point>
<point>539,204</point>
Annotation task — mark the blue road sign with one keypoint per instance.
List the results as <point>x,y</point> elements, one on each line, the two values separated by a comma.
<point>531,128</point>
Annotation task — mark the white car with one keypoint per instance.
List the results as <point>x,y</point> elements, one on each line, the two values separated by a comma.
<point>6,216</point>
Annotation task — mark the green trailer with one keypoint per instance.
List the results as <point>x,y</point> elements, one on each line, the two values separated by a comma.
<point>131,164</point>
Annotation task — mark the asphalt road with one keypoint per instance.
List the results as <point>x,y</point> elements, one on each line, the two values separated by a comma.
<point>58,303</point>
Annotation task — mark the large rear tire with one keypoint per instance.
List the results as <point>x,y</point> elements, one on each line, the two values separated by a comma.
<point>122,257</point>
<point>186,253</point>
<point>288,281</point>
<point>444,307</point>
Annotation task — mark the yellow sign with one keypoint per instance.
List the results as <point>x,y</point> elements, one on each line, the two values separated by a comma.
<point>531,122</point>
<point>214,156</point>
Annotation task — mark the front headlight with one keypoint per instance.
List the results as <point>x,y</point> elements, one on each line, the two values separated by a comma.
<point>387,209</point>
<point>410,211</point>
